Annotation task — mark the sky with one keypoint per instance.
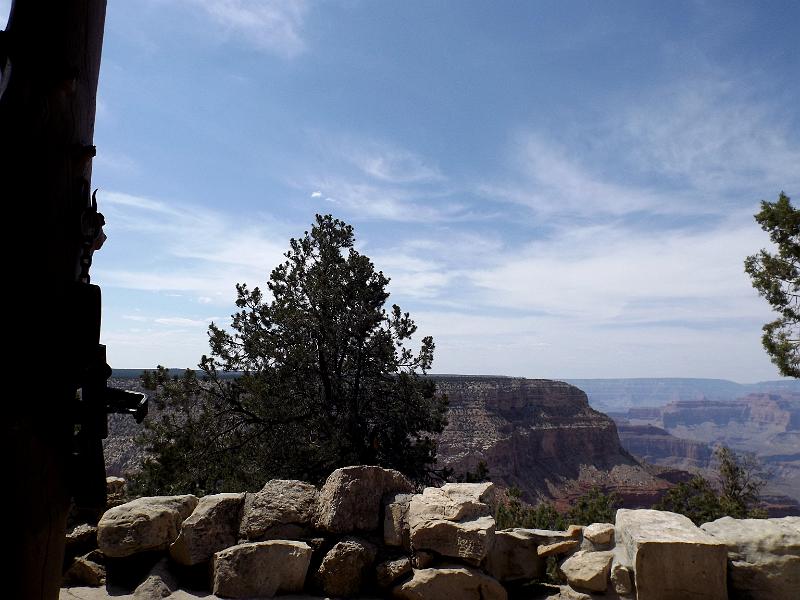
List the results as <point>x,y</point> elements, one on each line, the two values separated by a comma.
<point>557,189</point>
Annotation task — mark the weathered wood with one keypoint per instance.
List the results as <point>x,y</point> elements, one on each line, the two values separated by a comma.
<point>50,55</point>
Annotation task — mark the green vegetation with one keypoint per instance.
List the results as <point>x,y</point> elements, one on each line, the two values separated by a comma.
<point>777,278</point>
<point>326,380</point>
<point>740,481</point>
<point>592,507</point>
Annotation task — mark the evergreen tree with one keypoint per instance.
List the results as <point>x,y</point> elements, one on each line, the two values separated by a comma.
<point>777,278</point>
<point>740,480</point>
<point>325,379</point>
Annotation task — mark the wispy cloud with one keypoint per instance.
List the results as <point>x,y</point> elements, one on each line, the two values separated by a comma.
<point>271,25</point>
<point>711,136</point>
<point>200,251</point>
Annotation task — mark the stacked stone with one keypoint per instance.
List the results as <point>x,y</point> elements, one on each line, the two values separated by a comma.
<point>367,532</point>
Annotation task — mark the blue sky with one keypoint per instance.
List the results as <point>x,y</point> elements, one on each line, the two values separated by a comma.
<point>557,189</point>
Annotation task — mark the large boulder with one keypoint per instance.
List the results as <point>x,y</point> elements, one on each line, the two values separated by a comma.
<point>454,520</point>
<point>450,582</point>
<point>260,569</point>
<point>600,534</point>
<point>159,583</point>
<point>621,578</point>
<point>513,556</point>
<point>588,570</point>
<point>213,526</point>
<point>672,558</point>
<point>85,571</point>
<point>395,521</point>
<point>351,499</point>
<point>150,523</point>
<point>764,556</point>
<point>344,566</point>
<point>283,508</point>
<point>390,571</point>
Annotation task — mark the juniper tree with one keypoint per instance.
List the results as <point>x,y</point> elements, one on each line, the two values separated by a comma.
<point>325,378</point>
<point>777,278</point>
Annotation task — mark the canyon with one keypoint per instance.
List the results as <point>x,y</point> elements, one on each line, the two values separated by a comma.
<point>538,435</point>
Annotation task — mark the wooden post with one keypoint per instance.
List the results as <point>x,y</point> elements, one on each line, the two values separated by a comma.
<point>50,61</point>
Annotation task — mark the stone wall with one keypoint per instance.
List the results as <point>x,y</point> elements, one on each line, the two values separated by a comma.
<point>367,533</point>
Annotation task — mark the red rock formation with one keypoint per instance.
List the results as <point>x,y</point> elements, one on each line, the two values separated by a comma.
<point>658,446</point>
<point>541,436</point>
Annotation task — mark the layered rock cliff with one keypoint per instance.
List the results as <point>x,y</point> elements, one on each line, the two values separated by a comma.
<point>540,436</point>
<point>659,447</point>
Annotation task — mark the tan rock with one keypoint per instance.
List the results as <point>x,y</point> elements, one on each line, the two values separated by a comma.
<point>468,540</point>
<point>282,509</point>
<point>149,523</point>
<point>588,570</point>
<point>599,533</point>
<point>557,548</point>
<point>351,499</point>
<point>453,502</point>
<point>621,579</point>
<point>672,559</point>
<point>545,536</point>
<point>453,520</point>
<point>450,583</point>
<point>514,557</point>
<point>567,593</point>
<point>344,566</point>
<point>395,521</point>
<point>84,571</point>
<point>575,531</point>
<point>159,583</point>
<point>388,572</point>
<point>764,556</point>
<point>260,569</point>
<point>213,526</point>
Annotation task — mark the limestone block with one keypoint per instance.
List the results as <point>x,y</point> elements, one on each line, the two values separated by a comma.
<point>159,583</point>
<point>558,548</point>
<point>764,556</point>
<point>621,579</point>
<point>395,521</point>
<point>672,559</point>
<point>213,526</point>
<point>588,570</point>
<point>599,533</point>
<point>468,540</point>
<point>149,523</point>
<point>513,557</point>
<point>388,572</point>
<point>453,520</point>
<point>351,499</point>
<point>342,570</point>
<point>282,509</point>
<point>84,571</point>
<point>450,583</point>
<point>260,569</point>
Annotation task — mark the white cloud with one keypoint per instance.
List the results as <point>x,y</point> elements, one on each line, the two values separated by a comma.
<point>316,194</point>
<point>608,274</point>
<point>711,136</point>
<point>388,202</point>
<point>191,249</point>
<point>272,25</point>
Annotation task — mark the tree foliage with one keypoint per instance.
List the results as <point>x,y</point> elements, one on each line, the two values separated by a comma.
<point>592,507</point>
<point>737,493</point>
<point>776,276</point>
<point>326,378</point>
